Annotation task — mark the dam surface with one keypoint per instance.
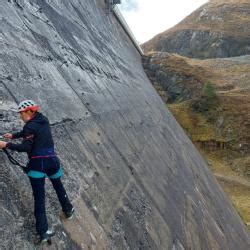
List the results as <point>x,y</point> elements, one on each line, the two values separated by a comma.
<point>135,178</point>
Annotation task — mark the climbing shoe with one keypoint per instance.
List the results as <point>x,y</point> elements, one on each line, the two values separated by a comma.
<point>46,237</point>
<point>69,214</point>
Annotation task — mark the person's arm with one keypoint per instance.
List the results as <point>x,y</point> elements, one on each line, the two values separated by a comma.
<point>17,135</point>
<point>14,135</point>
<point>26,145</point>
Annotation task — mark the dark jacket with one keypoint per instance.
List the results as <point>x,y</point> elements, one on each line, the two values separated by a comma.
<point>37,143</point>
<point>37,138</point>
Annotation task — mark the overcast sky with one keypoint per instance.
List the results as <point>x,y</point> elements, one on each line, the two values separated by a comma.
<point>148,18</point>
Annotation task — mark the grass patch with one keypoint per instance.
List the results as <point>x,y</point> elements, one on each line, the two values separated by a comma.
<point>239,195</point>
<point>195,124</point>
<point>199,129</point>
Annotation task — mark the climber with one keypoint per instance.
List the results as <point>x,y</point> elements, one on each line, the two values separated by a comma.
<point>38,144</point>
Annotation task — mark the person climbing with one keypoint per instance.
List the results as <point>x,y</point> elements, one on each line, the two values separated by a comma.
<point>38,144</point>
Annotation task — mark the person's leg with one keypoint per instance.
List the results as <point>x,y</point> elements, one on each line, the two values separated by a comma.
<point>61,194</point>
<point>37,185</point>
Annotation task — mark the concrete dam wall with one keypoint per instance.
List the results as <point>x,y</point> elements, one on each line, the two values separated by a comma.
<point>136,180</point>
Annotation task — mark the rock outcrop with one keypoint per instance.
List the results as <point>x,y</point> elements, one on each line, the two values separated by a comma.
<point>175,75</point>
<point>220,28</point>
<point>135,178</point>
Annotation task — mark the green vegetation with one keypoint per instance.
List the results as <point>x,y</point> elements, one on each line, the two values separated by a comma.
<point>208,99</point>
<point>209,94</point>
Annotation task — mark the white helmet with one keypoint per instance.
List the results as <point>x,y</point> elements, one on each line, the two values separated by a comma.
<point>27,105</point>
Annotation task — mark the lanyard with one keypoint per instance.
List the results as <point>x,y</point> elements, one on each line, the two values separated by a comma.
<point>12,160</point>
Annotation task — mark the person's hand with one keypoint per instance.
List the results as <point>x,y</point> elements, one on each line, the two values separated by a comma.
<point>8,136</point>
<point>3,144</point>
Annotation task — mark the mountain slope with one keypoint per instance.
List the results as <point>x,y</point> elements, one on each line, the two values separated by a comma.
<point>183,79</point>
<point>220,28</point>
<point>222,132</point>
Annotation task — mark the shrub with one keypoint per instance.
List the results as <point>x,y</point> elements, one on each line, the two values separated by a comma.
<point>208,99</point>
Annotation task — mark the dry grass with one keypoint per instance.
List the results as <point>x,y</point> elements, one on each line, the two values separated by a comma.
<point>181,65</point>
<point>231,78</point>
<point>236,109</point>
<point>225,17</point>
<point>234,183</point>
<point>195,124</point>
<point>226,74</point>
<point>239,195</point>
<point>232,81</point>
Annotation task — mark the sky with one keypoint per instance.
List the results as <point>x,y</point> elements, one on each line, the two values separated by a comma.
<point>147,18</point>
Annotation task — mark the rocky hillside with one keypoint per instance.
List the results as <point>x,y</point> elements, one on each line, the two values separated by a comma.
<point>220,28</point>
<point>180,80</point>
<point>222,132</point>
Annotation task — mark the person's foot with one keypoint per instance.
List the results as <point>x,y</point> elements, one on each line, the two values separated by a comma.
<point>69,214</point>
<point>46,237</point>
